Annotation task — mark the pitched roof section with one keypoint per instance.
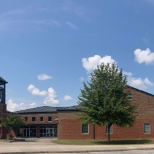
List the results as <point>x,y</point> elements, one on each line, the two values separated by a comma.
<point>140,91</point>
<point>46,109</point>
<point>2,81</point>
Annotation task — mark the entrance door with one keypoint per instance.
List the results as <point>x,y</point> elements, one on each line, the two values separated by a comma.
<point>48,131</point>
<point>51,132</point>
<point>29,131</point>
<point>26,132</point>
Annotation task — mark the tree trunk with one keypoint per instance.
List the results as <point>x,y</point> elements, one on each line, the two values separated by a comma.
<point>93,131</point>
<point>109,126</point>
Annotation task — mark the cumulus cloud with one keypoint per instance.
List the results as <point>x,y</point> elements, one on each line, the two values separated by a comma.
<point>12,106</point>
<point>67,98</point>
<point>144,56</point>
<point>91,63</point>
<point>51,99</point>
<point>139,83</point>
<point>50,94</point>
<point>44,77</point>
<point>36,91</point>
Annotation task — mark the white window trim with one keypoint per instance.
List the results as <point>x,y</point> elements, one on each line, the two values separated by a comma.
<point>130,95</point>
<point>144,127</point>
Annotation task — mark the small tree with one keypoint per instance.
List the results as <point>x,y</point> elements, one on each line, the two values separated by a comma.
<point>13,121</point>
<point>103,100</point>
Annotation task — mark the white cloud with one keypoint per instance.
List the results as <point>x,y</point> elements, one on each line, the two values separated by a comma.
<point>44,77</point>
<point>36,91</point>
<point>139,83</point>
<point>32,105</point>
<point>67,98</point>
<point>147,82</point>
<point>51,99</point>
<point>144,56</point>
<point>12,107</point>
<point>51,96</point>
<point>91,63</point>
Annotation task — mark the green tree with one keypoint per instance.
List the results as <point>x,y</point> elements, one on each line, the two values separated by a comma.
<point>103,100</point>
<point>13,121</point>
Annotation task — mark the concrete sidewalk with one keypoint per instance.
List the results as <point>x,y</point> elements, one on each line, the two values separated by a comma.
<point>46,146</point>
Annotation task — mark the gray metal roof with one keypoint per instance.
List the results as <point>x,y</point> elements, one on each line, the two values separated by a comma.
<point>46,109</point>
<point>2,81</point>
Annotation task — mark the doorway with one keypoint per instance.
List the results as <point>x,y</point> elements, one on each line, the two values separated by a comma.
<point>29,131</point>
<point>48,131</point>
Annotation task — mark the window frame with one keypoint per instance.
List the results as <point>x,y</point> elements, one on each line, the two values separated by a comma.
<point>129,95</point>
<point>33,119</point>
<point>26,118</point>
<point>149,125</point>
<point>41,120</point>
<point>49,117</point>
<point>83,129</point>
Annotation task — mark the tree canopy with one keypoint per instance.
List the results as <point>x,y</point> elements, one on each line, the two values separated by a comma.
<point>13,121</point>
<point>103,100</point>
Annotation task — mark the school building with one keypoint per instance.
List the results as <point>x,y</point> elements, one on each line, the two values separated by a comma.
<point>64,122</point>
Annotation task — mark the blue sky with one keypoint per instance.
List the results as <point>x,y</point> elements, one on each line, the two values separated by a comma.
<point>48,48</point>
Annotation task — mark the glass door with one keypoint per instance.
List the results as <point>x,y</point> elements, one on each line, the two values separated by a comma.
<point>51,132</point>
<point>48,131</point>
<point>26,132</point>
<point>54,132</point>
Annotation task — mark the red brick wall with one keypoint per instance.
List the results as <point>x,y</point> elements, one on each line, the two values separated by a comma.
<point>135,132</point>
<point>45,118</point>
<point>2,108</point>
<point>4,114</point>
<point>70,126</point>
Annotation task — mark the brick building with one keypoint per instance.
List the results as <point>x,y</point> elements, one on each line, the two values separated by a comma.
<point>71,127</point>
<point>42,121</point>
<point>64,123</point>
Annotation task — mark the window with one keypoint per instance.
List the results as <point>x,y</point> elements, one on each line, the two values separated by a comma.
<point>49,118</point>
<point>33,118</point>
<point>26,118</point>
<point>107,131</point>
<point>85,128</point>
<point>41,119</point>
<point>129,95</point>
<point>147,128</point>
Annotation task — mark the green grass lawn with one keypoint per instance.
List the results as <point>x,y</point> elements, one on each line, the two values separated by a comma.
<point>101,142</point>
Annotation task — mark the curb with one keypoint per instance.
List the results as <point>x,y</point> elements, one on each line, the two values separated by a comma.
<point>83,151</point>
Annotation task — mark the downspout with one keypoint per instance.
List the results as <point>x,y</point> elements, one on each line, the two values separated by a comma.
<point>93,131</point>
